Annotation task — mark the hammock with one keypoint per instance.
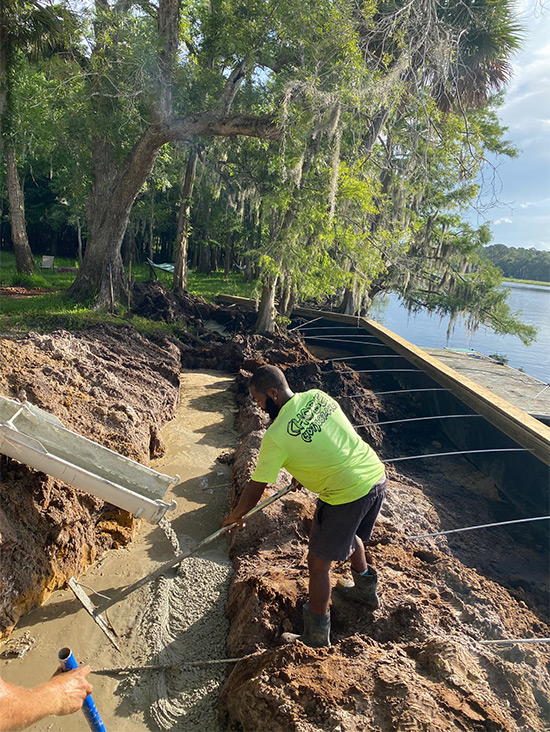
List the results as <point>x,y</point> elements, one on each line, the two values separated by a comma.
<point>164,267</point>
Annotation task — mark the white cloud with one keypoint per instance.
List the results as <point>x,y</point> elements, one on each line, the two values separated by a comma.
<point>527,204</point>
<point>502,221</point>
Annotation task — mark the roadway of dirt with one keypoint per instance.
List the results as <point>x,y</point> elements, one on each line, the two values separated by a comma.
<point>415,664</point>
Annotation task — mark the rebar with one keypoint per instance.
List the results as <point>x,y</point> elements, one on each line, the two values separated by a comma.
<point>310,322</point>
<point>339,336</point>
<point>371,355</point>
<point>480,526</point>
<point>184,664</point>
<point>461,452</point>
<point>348,358</point>
<point>324,338</point>
<point>375,371</point>
<point>172,666</point>
<point>516,640</point>
<point>541,391</point>
<point>416,419</point>
<point>331,327</point>
<point>396,391</point>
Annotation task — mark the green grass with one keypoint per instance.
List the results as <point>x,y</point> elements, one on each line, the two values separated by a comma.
<point>53,309</point>
<point>41,278</point>
<point>207,285</point>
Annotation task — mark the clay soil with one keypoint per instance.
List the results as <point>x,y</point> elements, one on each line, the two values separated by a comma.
<point>417,663</point>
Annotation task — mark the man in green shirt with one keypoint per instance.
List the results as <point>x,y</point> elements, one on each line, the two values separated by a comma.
<point>311,437</point>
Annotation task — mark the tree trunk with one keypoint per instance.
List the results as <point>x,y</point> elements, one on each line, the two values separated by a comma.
<point>113,194</point>
<point>151,224</point>
<point>265,322</point>
<point>288,297</point>
<point>214,254</point>
<point>180,266</point>
<point>248,269</point>
<point>348,306</point>
<point>195,257</point>
<point>204,259</point>
<point>79,234</point>
<point>228,256</point>
<point>24,261</point>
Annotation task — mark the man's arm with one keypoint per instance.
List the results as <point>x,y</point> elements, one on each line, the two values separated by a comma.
<point>252,493</point>
<point>63,694</point>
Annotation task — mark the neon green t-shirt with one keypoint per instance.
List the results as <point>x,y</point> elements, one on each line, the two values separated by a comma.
<point>313,439</point>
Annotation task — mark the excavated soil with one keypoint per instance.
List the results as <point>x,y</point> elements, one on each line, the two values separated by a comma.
<point>417,663</point>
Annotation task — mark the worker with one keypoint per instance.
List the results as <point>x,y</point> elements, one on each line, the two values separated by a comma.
<point>312,438</point>
<point>63,694</point>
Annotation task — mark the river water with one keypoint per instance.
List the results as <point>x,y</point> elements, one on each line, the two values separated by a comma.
<point>430,331</point>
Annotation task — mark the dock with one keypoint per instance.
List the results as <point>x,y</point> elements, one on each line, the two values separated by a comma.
<point>523,391</point>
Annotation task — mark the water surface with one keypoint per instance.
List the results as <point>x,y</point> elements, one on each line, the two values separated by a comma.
<point>430,331</point>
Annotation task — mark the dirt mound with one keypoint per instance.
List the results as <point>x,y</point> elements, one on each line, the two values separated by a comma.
<point>414,664</point>
<point>109,384</point>
<point>153,300</point>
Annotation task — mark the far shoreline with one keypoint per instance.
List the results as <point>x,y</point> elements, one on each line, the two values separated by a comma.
<point>526,282</point>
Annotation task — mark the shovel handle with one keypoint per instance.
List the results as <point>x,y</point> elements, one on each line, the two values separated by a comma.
<point>263,504</point>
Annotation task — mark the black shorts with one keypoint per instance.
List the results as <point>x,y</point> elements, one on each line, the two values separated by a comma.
<point>334,528</point>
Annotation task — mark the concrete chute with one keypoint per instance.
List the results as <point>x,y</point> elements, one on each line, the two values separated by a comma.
<point>39,439</point>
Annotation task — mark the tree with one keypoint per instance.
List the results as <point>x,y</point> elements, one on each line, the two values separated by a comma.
<point>437,264</point>
<point>121,169</point>
<point>519,263</point>
<point>413,64</point>
<point>450,57</point>
<point>26,28</point>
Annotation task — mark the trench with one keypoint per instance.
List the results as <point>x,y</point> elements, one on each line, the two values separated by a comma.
<point>413,665</point>
<point>179,618</point>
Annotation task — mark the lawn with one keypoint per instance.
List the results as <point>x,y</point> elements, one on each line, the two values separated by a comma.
<point>50,308</point>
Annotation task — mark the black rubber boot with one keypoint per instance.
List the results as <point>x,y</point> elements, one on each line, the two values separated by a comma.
<point>362,589</point>
<point>316,630</point>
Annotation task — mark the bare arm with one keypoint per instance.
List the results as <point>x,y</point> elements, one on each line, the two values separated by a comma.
<point>252,493</point>
<point>62,694</point>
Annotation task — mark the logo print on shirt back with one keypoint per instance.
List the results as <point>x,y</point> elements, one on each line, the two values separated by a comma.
<point>311,418</point>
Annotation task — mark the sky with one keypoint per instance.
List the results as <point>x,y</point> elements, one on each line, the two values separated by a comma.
<point>521,217</point>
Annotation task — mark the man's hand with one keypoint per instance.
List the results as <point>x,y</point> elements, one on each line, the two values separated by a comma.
<point>249,498</point>
<point>63,694</point>
<point>234,518</point>
<point>68,689</point>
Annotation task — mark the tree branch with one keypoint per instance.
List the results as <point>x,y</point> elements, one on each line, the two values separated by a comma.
<point>211,124</point>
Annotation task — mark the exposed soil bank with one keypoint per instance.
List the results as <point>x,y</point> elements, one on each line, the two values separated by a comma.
<point>109,384</point>
<point>415,664</point>
<point>177,619</point>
